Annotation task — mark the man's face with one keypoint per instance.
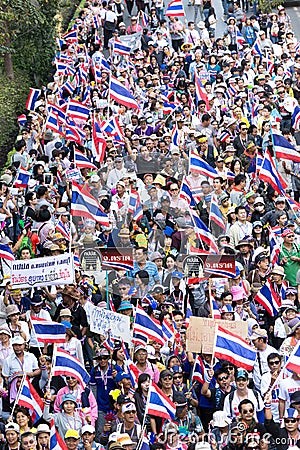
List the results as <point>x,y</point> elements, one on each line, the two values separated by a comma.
<point>259,343</point>
<point>274,364</point>
<point>25,254</point>
<point>247,412</point>
<point>72,443</point>
<point>241,383</point>
<point>103,361</point>
<point>291,424</point>
<point>19,349</point>
<point>130,416</point>
<point>140,256</point>
<point>223,380</point>
<point>217,184</point>
<point>178,322</point>
<point>141,356</point>
<point>71,382</point>
<point>242,215</point>
<point>29,443</point>
<point>87,438</point>
<point>244,249</point>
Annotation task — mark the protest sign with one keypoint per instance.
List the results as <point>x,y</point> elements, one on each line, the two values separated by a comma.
<point>201,332</point>
<point>104,321</point>
<point>35,272</point>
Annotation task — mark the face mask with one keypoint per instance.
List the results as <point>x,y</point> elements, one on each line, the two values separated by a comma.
<point>150,120</point>
<point>259,208</point>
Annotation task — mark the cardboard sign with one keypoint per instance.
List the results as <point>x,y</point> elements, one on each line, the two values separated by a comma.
<point>35,272</point>
<point>201,332</point>
<point>104,321</point>
<point>117,258</point>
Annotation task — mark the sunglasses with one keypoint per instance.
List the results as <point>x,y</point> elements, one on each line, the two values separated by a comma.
<point>245,411</point>
<point>274,363</point>
<point>223,378</point>
<point>29,442</point>
<point>177,377</point>
<point>168,377</point>
<point>229,368</point>
<point>70,378</point>
<point>290,420</point>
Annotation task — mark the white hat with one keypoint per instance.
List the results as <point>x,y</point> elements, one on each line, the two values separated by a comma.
<point>220,419</point>
<point>201,25</point>
<point>87,429</point>
<point>17,340</point>
<point>124,439</point>
<point>128,407</point>
<point>94,179</point>
<point>12,426</point>
<point>43,428</point>
<point>259,200</point>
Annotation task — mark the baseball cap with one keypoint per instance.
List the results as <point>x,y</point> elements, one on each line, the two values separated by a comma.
<point>87,429</point>
<point>17,340</point>
<point>72,434</point>
<point>127,407</point>
<point>242,373</point>
<point>12,426</point>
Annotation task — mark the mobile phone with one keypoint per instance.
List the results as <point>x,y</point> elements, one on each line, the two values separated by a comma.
<point>48,178</point>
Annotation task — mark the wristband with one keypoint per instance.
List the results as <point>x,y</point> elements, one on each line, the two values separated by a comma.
<point>207,378</point>
<point>268,405</point>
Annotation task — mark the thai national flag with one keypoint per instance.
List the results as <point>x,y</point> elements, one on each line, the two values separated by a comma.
<point>175,136</point>
<point>69,87</point>
<point>139,338</point>
<point>200,92</point>
<point>202,232</point>
<point>60,228</point>
<point>175,9</point>
<point>109,343</point>
<point>256,48</point>
<point>73,132</point>
<point>144,18</point>
<point>104,64</point>
<point>71,36</point>
<point>198,370</point>
<point>22,119</point>
<point>168,108</point>
<point>215,213</point>
<point>130,367</point>
<point>159,404</point>
<point>269,64</point>
<point>98,142</point>
<point>269,299</point>
<point>31,400</point>
<point>296,118</point>
<point>85,205</point>
<point>61,68</point>
<point>65,364</point>
<point>188,313</point>
<point>293,363</point>
<point>167,329</point>
<point>283,148</point>
<point>57,110</point>
<point>56,441</point>
<point>259,161</point>
<point>233,348</point>
<point>82,162</point>
<point>295,206</point>
<point>77,110</point>
<point>224,136</point>
<point>240,38</point>
<point>186,193</point>
<point>96,21</point>
<point>138,213</point>
<point>274,247</point>
<point>197,164</point>
<point>121,94</point>
<point>134,199</point>
<point>23,178</point>
<point>120,48</point>
<point>148,325</point>
<point>76,260</point>
<point>32,99</point>
<point>52,123</point>
<point>269,174</point>
<point>6,252</point>
<point>48,332</point>
<point>215,310</point>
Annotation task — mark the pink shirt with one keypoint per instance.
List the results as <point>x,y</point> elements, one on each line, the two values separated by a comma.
<point>93,413</point>
<point>151,370</point>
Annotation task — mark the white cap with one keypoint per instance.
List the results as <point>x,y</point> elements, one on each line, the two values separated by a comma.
<point>87,429</point>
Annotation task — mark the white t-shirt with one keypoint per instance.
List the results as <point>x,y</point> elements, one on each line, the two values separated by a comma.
<point>286,388</point>
<point>234,410</point>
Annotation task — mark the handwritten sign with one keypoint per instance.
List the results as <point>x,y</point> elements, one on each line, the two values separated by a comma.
<point>201,332</point>
<point>52,270</point>
<point>104,321</point>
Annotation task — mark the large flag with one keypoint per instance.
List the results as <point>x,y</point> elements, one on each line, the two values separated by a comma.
<point>186,193</point>
<point>148,325</point>
<point>159,404</point>
<point>77,110</point>
<point>56,441</point>
<point>200,92</point>
<point>202,232</point>
<point>60,228</point>
<point>198,370</point>
<point>175,9</point>
<point>293,363</point>
<point>296,118</point>
<point>283,148</point>
<point>82,162</point>
<point>98,142</point>
<point>121,94</point>
<point>130,367</point>
<point>274,247</point>
<point>6,252</point>
<point>85,205</point>
<point>30,399</point>
<point>32,98</point>
<point>197,164</point>
<point>270,174</point>
<point>269,299</point>
<point>120,48</point>
<point>233,348</point>
<point>67,365</point>
<point>22,178</point>
<point>217,224</point>
<point>48,332</point>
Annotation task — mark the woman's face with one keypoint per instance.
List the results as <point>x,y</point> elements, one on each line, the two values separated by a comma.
<point>237,166</point>
<point>68,407</point>
<point>170,263</point>
<point>22,420</point>
<point>145,385</point>
<point>168,241</point>
<point>120,355</point>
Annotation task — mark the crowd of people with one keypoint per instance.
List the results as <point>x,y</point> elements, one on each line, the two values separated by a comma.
<point>171,145</point>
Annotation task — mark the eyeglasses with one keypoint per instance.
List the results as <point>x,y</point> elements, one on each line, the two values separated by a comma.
<point>273,363</point>
<point>290,420</point>
<point>168,377</point>
<point>245,411</point>
<point>32,441</point>
<point>223,378</point>
<point>177,377</point>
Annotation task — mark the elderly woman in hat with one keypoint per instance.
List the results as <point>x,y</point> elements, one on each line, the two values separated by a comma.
<point>16,326</point>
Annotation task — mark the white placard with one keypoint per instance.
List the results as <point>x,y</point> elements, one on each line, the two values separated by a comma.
<point>104,321</point>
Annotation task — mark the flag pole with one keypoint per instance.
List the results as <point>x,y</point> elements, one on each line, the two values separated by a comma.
<point>108,97</point>
<point>214,347</point>
<point>52,365</point>
<point>18,394</point>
